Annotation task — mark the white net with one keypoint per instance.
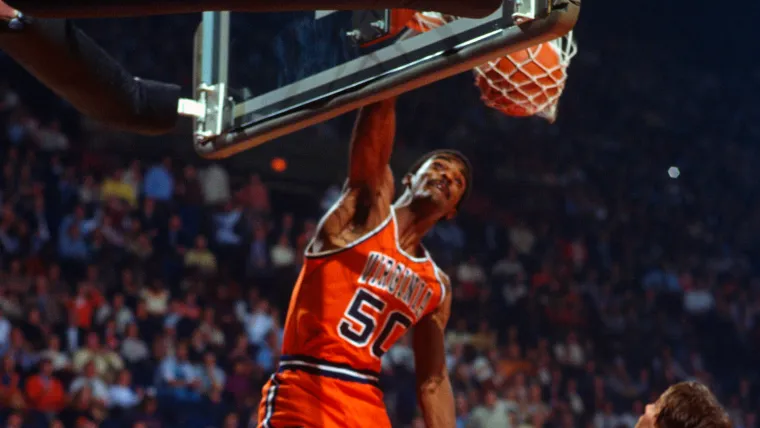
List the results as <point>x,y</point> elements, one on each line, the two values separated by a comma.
<point>525,83</point>
<point>426,21</point>
<point>528,82</point>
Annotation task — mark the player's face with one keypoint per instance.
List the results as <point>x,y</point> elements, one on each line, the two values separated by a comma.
<point>441,179</point>
<point>648,419</point>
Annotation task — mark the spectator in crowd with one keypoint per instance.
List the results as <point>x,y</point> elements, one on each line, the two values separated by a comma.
<point>121,394</point>
<point>44,392</point>
<point>215,184</point>
<point>116,187</point>
<point>133,347</point>
<point>158,183</point>
<point>201,257</point>
<point>59,360</point>
<point>89,380</point>
<point>254,197</point>
<point>212,376</point>
<point>106,362</point>
<point>179,378</point>
<point>256,319</point>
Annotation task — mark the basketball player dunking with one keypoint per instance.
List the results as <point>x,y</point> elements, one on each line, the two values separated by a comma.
<point>685,405</point>
<point>366,281</point>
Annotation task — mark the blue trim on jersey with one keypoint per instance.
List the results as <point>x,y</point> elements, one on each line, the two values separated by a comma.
<point>324,368</point>
<point>271,397</point>
<point>314,360</point>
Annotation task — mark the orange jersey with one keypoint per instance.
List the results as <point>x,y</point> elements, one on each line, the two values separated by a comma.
<point>348,308</point>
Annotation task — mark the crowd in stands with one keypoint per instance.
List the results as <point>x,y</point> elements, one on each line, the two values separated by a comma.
<point>148,293</point>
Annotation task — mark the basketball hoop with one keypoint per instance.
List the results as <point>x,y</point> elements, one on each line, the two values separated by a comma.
<point>342,78</point>
<point>525,83</point>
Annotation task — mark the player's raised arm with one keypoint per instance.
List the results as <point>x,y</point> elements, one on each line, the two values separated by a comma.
<point>369,189</point>
<point>434,392</point>
<point>371,147</point>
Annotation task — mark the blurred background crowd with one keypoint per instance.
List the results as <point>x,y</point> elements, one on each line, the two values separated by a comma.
<point>599,260</point>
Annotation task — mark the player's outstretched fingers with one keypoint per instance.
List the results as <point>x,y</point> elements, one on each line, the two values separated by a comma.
<point>6,12</point>
<point>10,18</point>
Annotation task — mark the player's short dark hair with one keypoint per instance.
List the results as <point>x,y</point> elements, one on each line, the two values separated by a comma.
<point>452,153</point>
<point>690,405</point>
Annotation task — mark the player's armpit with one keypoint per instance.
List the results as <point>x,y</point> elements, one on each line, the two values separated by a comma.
<point>434,391</point>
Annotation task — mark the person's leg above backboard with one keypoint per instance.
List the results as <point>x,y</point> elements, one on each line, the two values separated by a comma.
<point>122,8</point>
<point>71,64</point>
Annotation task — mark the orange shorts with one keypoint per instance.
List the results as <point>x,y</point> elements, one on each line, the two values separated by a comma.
<point>317,394</point>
